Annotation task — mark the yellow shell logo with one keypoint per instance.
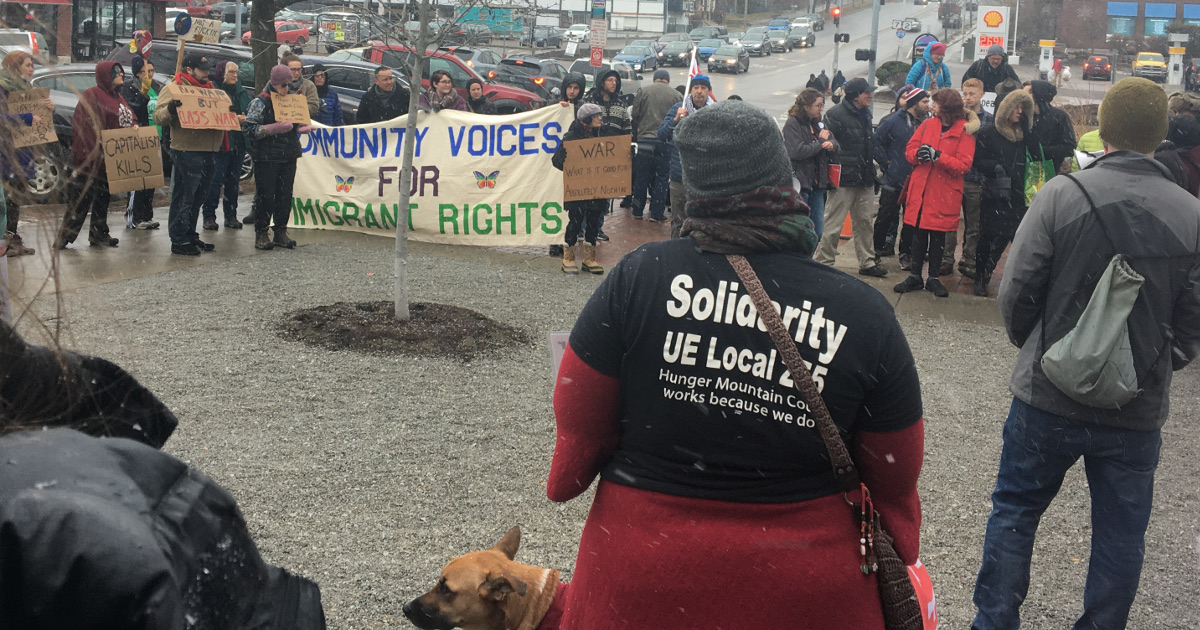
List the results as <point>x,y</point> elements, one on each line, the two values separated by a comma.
<point>993,18</point>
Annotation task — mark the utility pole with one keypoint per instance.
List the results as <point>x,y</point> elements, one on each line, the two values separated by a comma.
<point>874,43</point>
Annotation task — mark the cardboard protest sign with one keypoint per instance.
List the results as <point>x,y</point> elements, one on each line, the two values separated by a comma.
<point>32,102</point>
<point>597,168</point>
<point>292,108</point>
<point>477,179</point>
<point>132,158</point>
<point>205,32</point>
<point>205,108</point>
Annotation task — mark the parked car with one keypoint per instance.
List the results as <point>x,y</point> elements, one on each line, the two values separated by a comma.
<point>545,37</point>
<point>483,60</point>
<point>467,35</point>
<point>12,40</point>
<point>543,77</point>
<point>631,81</point>
<point>413,28</point>
<point>781,36</point>
<point>729,58</point>
<point>578,33</point>
<point>756,41</point>
<point>701,33</point>
<point>1150,65</point>
<point>804,37</point>
<point>818,22</point>
<point>287,15</point>
<point>290,33</point>
<point>640,57</point>
<point>676,54</point>
<point>707,47</point>
<point>1099,67</point>
<point>506,98</point>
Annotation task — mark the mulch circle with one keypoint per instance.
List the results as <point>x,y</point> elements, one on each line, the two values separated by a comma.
<point>434,330</point>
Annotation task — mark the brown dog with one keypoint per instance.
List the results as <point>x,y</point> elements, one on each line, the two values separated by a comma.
<point>486,590</point>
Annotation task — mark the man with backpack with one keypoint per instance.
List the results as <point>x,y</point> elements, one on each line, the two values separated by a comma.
<point>1061,259</point>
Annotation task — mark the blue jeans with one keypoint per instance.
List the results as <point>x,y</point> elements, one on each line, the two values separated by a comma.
<point>651,168</point>
<point>227,174</point>
<point>191,172</point>
<point>1039,448</point>
<point>816,208</point>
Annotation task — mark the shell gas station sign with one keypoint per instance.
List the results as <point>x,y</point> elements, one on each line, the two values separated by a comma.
<point>991,29</point>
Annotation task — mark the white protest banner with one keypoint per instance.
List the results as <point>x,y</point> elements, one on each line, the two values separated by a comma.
<point>32,102</point>
<point>205,32</point>
<point>477,179</point>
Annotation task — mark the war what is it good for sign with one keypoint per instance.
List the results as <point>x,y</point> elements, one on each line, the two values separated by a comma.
<point>597,168</point>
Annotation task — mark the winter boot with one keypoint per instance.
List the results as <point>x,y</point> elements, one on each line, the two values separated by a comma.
<point>935,286</point>
<point>262,241</point>
<point>589,259</point>
<point>16,247</point>
<point>981,285</point>
<point>568,264</point>
<point>102,240</point>
<point>911,283</point>
<point>282,239</point>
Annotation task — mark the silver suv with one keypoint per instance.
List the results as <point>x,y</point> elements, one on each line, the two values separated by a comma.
<point>12,40</point>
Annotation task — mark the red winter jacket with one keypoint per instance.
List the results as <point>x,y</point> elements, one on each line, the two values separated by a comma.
<point>935,189</point>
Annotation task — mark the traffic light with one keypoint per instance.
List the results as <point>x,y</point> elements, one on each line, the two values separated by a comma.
<point>837,16</point>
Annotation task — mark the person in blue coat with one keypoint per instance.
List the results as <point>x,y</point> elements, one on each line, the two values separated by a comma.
<point>929,72</point>
<point>330,113</point>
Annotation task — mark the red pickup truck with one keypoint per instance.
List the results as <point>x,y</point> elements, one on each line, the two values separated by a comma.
<point>506,99</point>
<point>194,8</point>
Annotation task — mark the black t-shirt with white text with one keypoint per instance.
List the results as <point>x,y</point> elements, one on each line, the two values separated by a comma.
<point>708,408</point>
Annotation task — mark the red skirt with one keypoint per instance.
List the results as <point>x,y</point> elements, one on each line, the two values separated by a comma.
<point>652,561</point>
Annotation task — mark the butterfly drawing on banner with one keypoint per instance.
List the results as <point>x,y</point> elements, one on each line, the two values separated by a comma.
<point>343,185</point>
<point>486,181</point>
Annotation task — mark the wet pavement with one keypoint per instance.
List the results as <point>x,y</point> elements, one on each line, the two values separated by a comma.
<point>143,253</point>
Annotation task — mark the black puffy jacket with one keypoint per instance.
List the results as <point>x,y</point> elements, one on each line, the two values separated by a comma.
<point>113,534</point>
<point>855,143</point>
<point>283,147</point>
<point>1051,125</point>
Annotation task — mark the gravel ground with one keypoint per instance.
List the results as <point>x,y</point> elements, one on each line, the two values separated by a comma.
<point>368,473</point>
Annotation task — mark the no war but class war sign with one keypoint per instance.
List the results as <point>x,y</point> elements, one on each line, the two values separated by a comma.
<point>476,179</point>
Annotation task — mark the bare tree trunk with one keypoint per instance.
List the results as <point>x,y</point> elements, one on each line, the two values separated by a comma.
<point>410,144</point>
<point>262,41</point>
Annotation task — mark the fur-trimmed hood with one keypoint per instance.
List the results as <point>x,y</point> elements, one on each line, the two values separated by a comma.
<point>973,123</point>
<point>1015,99</point>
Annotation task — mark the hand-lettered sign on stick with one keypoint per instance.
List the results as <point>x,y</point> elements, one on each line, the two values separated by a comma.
<point>597,168</point>
<point>132,158</point>
<point>291,108</point>
<point>205,108</point>
<point>32,102</point>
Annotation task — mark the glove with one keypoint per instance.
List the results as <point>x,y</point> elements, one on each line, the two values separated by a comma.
<point>999,172</point>
<point>233,108</point>
<point>277,128</point>
<point>924,154</point>
<point>173,108</point>
<point>933,157</point>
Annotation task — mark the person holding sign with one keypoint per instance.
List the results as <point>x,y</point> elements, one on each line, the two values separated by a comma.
<point>100,108</point>
<point>192,152</point>
<point>582,215</point>
<point>139,93</point>
<point>16,164</point>
<point>275,148</point>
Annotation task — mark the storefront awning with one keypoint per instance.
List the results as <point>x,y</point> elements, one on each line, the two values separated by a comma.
<point>1191,11</point>
<point>1123,9</point>
<point>1160,10</point>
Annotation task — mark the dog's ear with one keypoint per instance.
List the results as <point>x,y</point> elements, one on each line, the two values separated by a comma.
<point>497,587</point>
<point>510,542</point>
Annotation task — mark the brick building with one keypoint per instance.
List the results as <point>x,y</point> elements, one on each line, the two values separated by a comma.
<point>1090,23</point>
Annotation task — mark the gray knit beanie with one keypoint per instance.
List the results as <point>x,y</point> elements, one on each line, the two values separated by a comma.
<point>730,148</point>
<point>586,111</point>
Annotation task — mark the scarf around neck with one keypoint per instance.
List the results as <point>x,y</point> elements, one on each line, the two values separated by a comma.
<point>766,219</point>
<point>13,82</point>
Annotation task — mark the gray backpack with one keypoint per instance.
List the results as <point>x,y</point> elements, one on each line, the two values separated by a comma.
<point>1093,363</point>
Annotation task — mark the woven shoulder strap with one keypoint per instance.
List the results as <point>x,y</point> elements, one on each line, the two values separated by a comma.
<point>843,466</point>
